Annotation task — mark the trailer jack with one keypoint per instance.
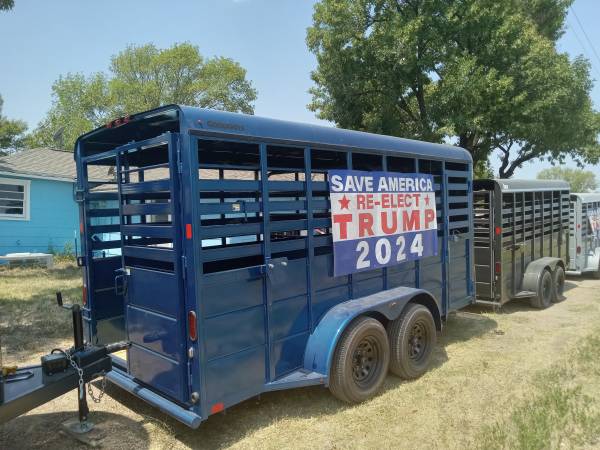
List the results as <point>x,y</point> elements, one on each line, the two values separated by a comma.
<point>23,389</point>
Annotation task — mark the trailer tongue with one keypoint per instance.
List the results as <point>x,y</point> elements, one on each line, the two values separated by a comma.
<point>23,389</point>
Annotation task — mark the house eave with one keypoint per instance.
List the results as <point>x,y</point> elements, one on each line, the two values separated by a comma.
<point>45,177</point>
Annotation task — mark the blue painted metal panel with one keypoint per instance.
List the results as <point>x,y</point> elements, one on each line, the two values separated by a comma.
<point>157,371</point>
<point>288,354</point>
<point>217,288</point>
<point>326,299</point>
<point>233,332</point>
<point>236,377</point>
<point>289,316</point>
<point>154,331</point>
<point>290,282</point>
<point>153,290</point>
<point>322,273</point>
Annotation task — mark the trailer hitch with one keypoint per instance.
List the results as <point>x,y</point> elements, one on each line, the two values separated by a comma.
<point>60,371</point>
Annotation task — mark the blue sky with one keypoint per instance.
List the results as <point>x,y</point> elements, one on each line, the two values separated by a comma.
<point>40,40</point>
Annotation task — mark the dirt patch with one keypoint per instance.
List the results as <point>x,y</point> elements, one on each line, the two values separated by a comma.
<point>486,365</point>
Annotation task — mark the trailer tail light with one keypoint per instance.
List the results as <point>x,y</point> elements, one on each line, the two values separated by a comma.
<point>217,408</point>
<point>188,230</point>
<point>498,267</point>
<point>578,249</point>
<point>84,295</point>
<point>192,326</point>
<point>498,231</point>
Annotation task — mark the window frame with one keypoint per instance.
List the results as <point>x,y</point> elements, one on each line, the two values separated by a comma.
<point>26,199</point>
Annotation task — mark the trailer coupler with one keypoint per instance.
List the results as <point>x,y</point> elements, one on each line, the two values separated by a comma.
<point>23,389</point>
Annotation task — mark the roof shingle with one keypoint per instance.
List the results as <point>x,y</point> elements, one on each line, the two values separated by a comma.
<point>45,162</point>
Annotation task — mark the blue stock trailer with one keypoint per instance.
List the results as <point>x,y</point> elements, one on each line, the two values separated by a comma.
<point>211,252</point>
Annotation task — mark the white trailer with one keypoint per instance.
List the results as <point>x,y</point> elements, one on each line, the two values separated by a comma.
<point>584,236</point>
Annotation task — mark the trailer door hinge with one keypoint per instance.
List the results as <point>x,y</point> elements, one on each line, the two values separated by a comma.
<point>179,161</point>
<point>79,195</point>
<point>184,266</point>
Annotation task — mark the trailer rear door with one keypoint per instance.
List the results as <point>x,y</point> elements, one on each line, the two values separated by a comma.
<point>484,240</point>
<point>152,271</point>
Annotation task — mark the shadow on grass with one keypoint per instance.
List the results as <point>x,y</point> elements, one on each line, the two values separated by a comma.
<point>516,305</point>
<point>44,431</point>
<point>228,428</point>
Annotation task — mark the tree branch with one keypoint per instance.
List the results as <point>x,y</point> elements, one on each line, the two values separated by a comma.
<point>507,169</point>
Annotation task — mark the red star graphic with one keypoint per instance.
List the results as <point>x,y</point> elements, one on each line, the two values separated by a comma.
<point>344,202</point>
<point>427,200</point>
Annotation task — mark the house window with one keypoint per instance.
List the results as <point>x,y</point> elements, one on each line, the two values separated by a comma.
<point>14,199</point>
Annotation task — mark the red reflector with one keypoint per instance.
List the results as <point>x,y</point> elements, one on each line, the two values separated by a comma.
<point>81,227</point>
<point>188,230</point>
<point>498,231</point>
<point>84,295</point>
<point>216,408</point>
<point>192,326</point>
<point>578,249</point>
<point>498,267</point>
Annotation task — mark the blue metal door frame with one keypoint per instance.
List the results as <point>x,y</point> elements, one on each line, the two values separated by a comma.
<point>123,178</point>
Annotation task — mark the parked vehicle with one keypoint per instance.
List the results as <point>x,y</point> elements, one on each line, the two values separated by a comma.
<point>584,235</point>
<point>220,268</point>
<point>521,240</point>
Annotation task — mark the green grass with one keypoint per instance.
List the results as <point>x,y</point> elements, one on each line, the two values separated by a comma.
<point>563,411</point>
<point>30,319</point>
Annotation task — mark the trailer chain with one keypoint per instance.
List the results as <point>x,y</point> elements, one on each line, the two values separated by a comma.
<point>79,372</point>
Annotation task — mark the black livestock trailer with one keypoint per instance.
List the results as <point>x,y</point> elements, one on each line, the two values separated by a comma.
<point>521,240</point>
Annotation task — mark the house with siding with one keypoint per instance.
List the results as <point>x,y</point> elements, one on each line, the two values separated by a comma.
<point>38,212</point>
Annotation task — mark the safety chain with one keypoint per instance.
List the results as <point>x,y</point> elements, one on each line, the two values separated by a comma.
<point>79,371</point>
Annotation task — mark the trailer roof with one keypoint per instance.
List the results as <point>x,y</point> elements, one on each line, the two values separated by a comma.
<point>522,185</point>
<point>587,197</point>
<point>157,121</point>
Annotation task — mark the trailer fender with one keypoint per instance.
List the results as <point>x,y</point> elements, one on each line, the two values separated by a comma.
<point>534,271</point>
<point>390,303</point>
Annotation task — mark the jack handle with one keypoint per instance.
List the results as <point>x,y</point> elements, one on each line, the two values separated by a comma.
<point>59,301</point>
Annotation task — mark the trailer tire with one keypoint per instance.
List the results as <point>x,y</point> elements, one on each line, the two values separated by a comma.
<point>412,339</point>
<point>558,285</point>
<point>545,290</point>
<point>360,362</point>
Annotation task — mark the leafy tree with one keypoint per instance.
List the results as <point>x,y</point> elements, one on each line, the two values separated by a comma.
<point>142,78</point>
<point>482,73</point>
<point>483,169</point>
<point>79,104</point>
<point>5,5</point>
<point>11,131</point>
<point>580,180</point>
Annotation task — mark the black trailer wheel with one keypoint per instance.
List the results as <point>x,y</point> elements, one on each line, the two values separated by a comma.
<point>545,290</point>
<point>412,339</point>
<point>559,285</point>
<point>360,362</point>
